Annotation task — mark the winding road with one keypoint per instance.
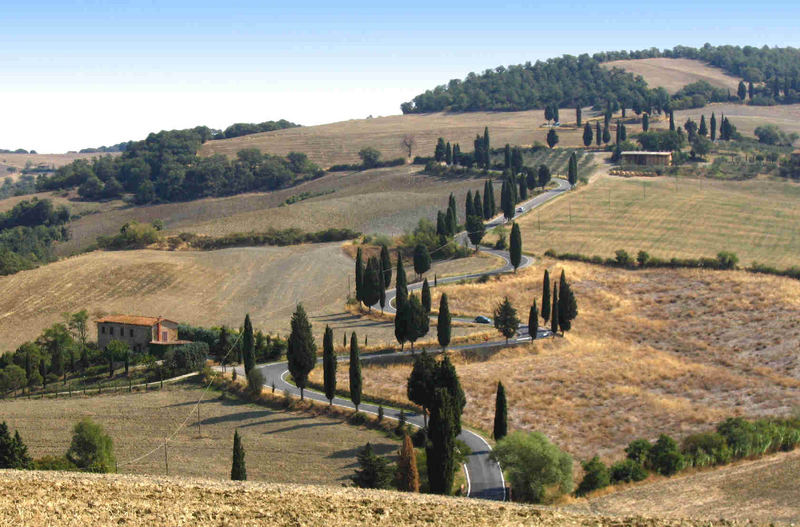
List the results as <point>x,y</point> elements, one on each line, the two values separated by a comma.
<point>484,476</point>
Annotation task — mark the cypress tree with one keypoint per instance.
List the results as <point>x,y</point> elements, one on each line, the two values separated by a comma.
<point>443,322</point>
<point>552,138</point>
<point>373,283</point>
<point>713,127</point>
<point>23,460</point>
<point>418,322</point>
<point>238,470</point>
<point>512,188</point>
<point>598,134</point>
<point>400,283</point>
<point>477,205</point>
<point>523,189</point>
<point>507,157</point>
<point>506,201</point>
<point>248,345</point>
<point>487,193</point>
<point>588,136</point>
<point>645,122</point>
<point>546,297</point>
<point>500,413</point>
<point>671,121</point>
<point>544,175</point>
<point>578,116</point>
<point>533,321</point>
<point>359,275</point>
<point>750,90</point>
<point>329,365</point>
<point>548,113</point>
<point>13,452</point>
<point>301,351</point>
<point>703,130</point>
<point>439,152</point>
<point>516,160</point>
<point>515,246</point>
<point>554,311</point>
<point>619,131</point>
<point>386,265</point>
<point>567,306</point>
<point>572,171</point>
<point>441,225</point>
<point>442,443</point>
<point>492,210</point>
<point>407,473</point>
<point>450,222</point>
<point>742,91</point>
<point>374,471</point>
<point>505,319</point>
<point>606,133</point>
<point>469,205</point>
<point>451,204</point>
<point>448,154</point>
<point>422,383</point>
<point>381,286</point>
<point>623,133</point>
<point>402,322</point>
<point>445,376</point>
<point>355,372</point>
<point>487,147</point>
<point>426,296</point>
<point>422,259</point>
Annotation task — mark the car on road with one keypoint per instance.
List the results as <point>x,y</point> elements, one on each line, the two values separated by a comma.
<point>520,209</point>
<point>480,319</point>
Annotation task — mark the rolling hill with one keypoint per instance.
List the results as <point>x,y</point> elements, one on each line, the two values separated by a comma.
<point>674,74</point>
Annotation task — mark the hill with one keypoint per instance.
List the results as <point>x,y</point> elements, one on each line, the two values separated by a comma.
<point>138,423</point>
<point>762,491</point>
<point>651,352</point>
<point>674,74</point>
<point>51,498</point>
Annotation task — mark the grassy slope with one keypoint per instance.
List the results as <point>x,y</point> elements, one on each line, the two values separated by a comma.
<point>763,491</point>
<point>281,446</point>
<point>756,219</point>
<point>651,352</point>
<point>208,288</point>
<point>674,74</point>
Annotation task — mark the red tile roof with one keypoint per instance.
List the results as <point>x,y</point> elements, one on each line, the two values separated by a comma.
<point>132,320</point>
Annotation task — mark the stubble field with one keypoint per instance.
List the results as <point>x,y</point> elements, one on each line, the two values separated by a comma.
<point>674,74</point>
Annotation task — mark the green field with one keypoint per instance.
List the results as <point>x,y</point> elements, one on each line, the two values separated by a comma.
<point>667,217</point>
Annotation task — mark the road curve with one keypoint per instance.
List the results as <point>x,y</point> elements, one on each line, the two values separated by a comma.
<point>484,476</point>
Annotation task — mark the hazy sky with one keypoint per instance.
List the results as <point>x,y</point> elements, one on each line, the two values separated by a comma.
<point>81,74</point>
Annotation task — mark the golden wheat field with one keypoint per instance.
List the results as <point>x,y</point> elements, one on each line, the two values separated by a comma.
<point>685,218</point>
<point>197,287</point>
<point>661,351</point>
<point>761,491</point>
<point>281,446</point>
<point>674,74</point>
<point>63,499</point>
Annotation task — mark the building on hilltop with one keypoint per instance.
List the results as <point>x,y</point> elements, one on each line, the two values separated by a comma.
<point>141,334</point>
<point>637,158</point>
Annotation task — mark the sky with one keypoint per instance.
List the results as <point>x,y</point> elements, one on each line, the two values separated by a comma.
<point>77,74</point>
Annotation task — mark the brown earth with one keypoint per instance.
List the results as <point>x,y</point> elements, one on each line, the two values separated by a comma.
<point>78,499</point>
<point>674,74</point>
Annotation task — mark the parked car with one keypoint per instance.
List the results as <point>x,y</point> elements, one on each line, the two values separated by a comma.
<point>480,319</point>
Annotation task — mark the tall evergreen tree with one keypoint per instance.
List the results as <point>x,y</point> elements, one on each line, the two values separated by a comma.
<point>606,133</point>
<point>588,136</point>
<point>516,160</point>
<point>329,365</point>
<point>645,122</point>
<point>750,90</point>
<point>487,193</point>
<point>426,296</point>
<point>402,322</point>
<point>548,113</point>
<point>713,127</point>
<point>448,154</point>
<point>552,138</point>
<point>512,187</point>
<point>671,121</point>
<point>598,134</point>
<point>475,230</point>
<point>533,321</point>
<point>469,205</point>
<point>492,210</point>
<point>617,138</point>
<point>422,259</point>
<point>419,321</point>
<point>742,91</point>
<point>523,188</point>
<point>441,226</point>
<point>445,376</point>
<point>546,296</point>
<point>554,311</point>
<point>578,115</point>
<point>381,286</point>
<point>359,275</point>
<point>386,265</point>
<point>515,246</point>
<point>623,132</point>
<point>441,447</point>
<point>355,372</point>
<point>373,283</point>
<point>507,201</point>
<point>401,282</point>
<point>443,322</point>
<point>407,472</point>
<point>505,319</point>
<point>703,130</point>
<point>487,147</point>
<point>248,345</point>
<point>422,383</point>
<point>451,222</point>
<point>439,152</point>
<point>567,305</point>
<point>572,170</point>
<point>507,156</point>
<point>477,205</point>
<point>13,452</point>
<point>500,414</point>
<point>544,175</point>
<point>301,351</point>
<point>238,469</point>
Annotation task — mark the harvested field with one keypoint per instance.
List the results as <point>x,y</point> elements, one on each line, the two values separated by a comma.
<point>674,74</point>
<point>197,287</point>
<point>763,491</point>
<point>19,161</point>
<point>77,499</point>
<point>388,201</point>
<point>660,351</point>
<point>280,446</point>
<point>684,218</point>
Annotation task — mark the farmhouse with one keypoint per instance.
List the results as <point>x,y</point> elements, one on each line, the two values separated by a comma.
<point>139,333</point>
<point>796,157</point>
<point>646,158</point>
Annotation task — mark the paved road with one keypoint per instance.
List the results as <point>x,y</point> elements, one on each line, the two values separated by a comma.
<point>484,476</point>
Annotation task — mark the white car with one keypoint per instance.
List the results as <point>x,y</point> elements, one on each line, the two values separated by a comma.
<point>520,209</point>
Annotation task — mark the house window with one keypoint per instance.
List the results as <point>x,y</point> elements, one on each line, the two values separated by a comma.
<point>111,331</point>
<point>103,330</point>
<point>131,333</point>
<point>164,336</point>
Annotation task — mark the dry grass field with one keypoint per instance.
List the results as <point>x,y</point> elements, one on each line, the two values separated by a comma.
<point>63,499</point>
<point>756,219</point>
<point>674,74</point>
<point>661,351</point>
<point>53,161</point>
<point>762,491</point>
<point>281,446</point>
<point>204,288</point>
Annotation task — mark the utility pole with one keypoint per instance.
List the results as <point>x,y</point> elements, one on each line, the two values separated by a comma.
<point>166,462</point>
<point>198,420</point>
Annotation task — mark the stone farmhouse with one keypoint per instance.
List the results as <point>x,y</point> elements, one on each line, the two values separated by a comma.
<point>139,333</point>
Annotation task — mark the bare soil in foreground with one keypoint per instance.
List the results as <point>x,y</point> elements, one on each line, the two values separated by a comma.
<point>103,500</point>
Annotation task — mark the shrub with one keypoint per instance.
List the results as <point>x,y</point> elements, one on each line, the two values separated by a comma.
<point>638,451</point>
<point>54,463</point>
<point>665,457</point>
<point>185,358</point>
<point>706,449</point>
<point>374,471</point>
<point>255,381</point>
<point>595,476</point>
<point>537,469</point>
<point>626,471</point>
<point>91,449</point>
